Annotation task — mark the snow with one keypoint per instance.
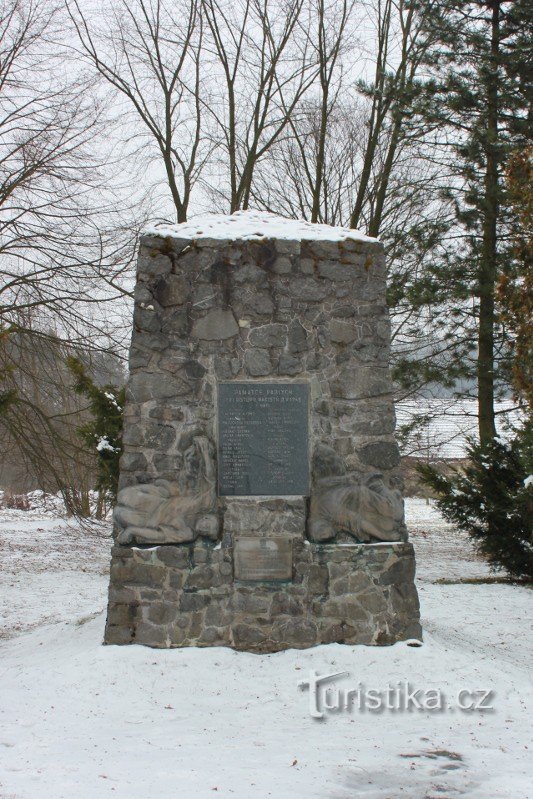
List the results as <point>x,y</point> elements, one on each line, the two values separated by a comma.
<point>39,503</point>
<point>53,570</point>
<point>80,719</point>
<point>255,225</point>
<point>111,397</point>
<point>442,552</point>
<point>528,481</point>
<point>36,502</point>
<point>103,444</point>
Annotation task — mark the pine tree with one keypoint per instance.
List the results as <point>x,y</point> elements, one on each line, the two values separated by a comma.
<point>492,500</point>
<point>478,102</point>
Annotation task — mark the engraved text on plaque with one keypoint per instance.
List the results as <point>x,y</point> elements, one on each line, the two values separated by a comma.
<point>263,439</point>
<point>262,558</point>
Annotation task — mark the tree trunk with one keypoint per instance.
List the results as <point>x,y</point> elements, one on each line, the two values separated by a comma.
<point>488,264</point>
<point>382,192</point>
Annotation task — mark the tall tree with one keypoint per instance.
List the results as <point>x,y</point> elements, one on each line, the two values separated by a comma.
<point>356,156</point>
<point>403,40</point>
<point>60,252</point>
<point>263,64</point>
<point>481,109</point>
<point>148,52</point>
<point>515,289</point>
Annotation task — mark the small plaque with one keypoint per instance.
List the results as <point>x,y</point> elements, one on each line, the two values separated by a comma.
<point>263,447</point>
<point>262,559</point>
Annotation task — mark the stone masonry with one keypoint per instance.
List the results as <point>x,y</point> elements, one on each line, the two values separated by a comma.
<point>279,311</point>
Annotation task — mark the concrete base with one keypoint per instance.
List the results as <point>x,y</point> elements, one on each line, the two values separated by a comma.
<point>186,595</point>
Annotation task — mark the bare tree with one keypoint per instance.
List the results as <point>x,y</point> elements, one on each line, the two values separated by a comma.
<point>267,64</point>
<point>66,244</point>
<point>349,139</point>
<point>289,179</point>
<point>148,51</point>
<point>331,37</point>
<point>357,148</point>
<point>402,42</point>
<point>61,241</point>
<point>39,427</point>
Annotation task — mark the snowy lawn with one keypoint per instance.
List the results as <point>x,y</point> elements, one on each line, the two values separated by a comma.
<point>52,570</point>
<point>81,720</point>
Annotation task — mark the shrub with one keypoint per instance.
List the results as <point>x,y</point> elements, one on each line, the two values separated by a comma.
<point>16,501</point>
<point>492,500</point>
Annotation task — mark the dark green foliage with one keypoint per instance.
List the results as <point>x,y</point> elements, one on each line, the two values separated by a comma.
<point>7,395</point>
<point>490,501</point>
<point>7,398</point>
<point>104,432</point>
<point>477,99</point>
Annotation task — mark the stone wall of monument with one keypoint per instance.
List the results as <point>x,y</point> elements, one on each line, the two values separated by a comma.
<point>187,596</point>
<point>298,328</point>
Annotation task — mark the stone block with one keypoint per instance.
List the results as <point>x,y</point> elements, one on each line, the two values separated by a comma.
<point>342,332</point>
<point>151,635</point>
<point>283,604</point>
<point>307,289</point>
<point>171,290</point>
<point>297,338</point>
<point>271,335</point>
<point>216,325</point>
<point>118,634</point>
<point>318,579</point>
<point>381,454</point>
<point>296,633</point>
<point>161,612</point>
<point>257,362</point>
<point>361,382</point>
<point>193,601</point>
<point>289,365</point>
<point>201,577</point>
<point>245,636</point>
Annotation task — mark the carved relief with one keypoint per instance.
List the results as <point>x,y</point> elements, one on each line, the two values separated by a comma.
<point>365,508</point>
<point>173,512</point>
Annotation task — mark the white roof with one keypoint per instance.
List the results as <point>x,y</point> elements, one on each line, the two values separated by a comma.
<point>448,426</point>
<point>255,225</point>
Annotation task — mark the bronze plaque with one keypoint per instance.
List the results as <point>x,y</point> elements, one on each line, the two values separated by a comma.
<point>262,559</point>
<point>263,447</point>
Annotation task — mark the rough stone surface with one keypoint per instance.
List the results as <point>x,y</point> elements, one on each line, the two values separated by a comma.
<point>210,310</point>
<point>365,595</point>
<point>215,325</point>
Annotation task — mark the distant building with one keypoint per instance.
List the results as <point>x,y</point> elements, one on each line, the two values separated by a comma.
<point>438,430</point>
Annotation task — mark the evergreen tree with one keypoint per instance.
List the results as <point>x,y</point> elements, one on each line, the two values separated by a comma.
<point>492,500</point>
<point>515,290</point>
<point>104,432</point>
<point>478,101</point>
<point>7,395</point>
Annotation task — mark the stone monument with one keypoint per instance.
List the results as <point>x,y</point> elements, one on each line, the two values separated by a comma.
<point>260,505</point>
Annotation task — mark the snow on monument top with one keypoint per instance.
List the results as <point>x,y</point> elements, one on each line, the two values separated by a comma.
<point>255,225</point>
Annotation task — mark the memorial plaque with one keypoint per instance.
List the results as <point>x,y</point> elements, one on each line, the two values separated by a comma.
<point>263,446</point>
<point>262,559</point>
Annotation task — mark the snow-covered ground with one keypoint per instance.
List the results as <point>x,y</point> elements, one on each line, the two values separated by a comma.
<point>52,570</point>
<point>80,719</point>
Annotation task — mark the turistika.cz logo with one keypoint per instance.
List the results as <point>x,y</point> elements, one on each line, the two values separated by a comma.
<point>325,696</point>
